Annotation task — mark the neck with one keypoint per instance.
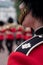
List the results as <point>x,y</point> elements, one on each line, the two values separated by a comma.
<point>37,24</point>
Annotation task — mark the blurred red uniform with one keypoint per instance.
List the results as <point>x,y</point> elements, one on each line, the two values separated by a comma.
<point>13,30</point>
<point>27,33</point>
<point>19,37</point>
<point>27,36</point>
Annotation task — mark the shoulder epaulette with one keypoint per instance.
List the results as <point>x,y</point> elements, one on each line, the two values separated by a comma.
<point>27,46</point>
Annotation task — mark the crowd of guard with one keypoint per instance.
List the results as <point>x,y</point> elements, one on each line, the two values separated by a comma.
<point>13,32</point>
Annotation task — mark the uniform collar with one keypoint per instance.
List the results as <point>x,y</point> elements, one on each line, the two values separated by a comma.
<point>39,31</point>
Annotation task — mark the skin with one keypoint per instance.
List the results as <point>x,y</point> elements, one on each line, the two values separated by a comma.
<point>30,21</point>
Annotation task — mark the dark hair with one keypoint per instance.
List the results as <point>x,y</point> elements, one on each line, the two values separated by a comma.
<point>10,20</point>
<point>36,6</point>
<point>1,23</point>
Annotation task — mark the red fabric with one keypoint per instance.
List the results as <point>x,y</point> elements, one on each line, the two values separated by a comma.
<point>3,30</point>
<point>10,36</point>
<point>20,29</point>
<point>13,29</point>
<point>27,37</point>
<point>27,33</point>
<point>34,58</point>
<point>30,32</point>
<point>22,36</point>
<point>18,36</point>
<point>1,37</point>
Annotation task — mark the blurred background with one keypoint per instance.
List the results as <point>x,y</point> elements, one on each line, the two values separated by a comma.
<point>12,33</point>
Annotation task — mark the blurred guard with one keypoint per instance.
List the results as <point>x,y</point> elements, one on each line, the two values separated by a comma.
<point>27,33</point>
<point>1,36</point>
<point>19,34</point>
<point>9,35</point>
<point>9,40</point>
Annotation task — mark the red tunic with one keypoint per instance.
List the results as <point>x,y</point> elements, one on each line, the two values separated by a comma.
<point>13,29</point>
<point>9,36</point>
<point>34,56</point>
<point>20,29</point>
<point>26,37</point>
<point>19,35</point>
<point>1,36</point>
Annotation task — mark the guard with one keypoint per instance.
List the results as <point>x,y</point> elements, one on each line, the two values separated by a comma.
<point>30,52</point>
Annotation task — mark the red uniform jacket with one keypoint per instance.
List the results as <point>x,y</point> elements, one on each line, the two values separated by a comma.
<point>29,52</point>
<point>13,30</point>
<point>19,35</point>
<point>20,29</point>
<point>27,36</point>
<point>1,36</point>
<point>9,36</point>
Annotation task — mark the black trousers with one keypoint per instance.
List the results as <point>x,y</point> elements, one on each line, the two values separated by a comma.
<point>9,45</point>
<point>1,45</point>
<point>19,41</point>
